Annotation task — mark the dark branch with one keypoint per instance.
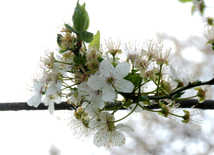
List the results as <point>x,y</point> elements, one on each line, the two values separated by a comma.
<point>208,104</point>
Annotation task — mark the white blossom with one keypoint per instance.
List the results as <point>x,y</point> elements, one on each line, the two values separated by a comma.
<point>184,77</point>
<point>55,84</point>
<point>95,96</point>
<point>192,118</point>
<point>49,101</point>
<point>111,78</point>
<point>209,34</point>
<point>107,132</point>
<point>35,100</point>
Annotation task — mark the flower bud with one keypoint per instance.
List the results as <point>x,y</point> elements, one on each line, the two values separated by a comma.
<point>80,18</point>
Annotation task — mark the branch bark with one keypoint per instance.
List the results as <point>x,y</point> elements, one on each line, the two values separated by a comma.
<point>15,106</point>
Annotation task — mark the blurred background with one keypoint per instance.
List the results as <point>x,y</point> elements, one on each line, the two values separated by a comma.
<point>30,27</point>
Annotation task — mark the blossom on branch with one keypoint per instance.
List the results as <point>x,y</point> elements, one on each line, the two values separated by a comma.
<point>204,92</point>
<point>209,34</point>
<point>107,132</point>
<point>111,79</point>
<point>35,100</point>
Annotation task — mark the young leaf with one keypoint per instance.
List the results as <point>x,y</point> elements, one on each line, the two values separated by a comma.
<point>59,41</point>
<point>80,18</point>
<point>96,41</point>
<point>178,95</point>
<point>62,51</point>
<point>184,1</point>
<point>86,36</point>
<point>69,28</point>
<point>79,60</point>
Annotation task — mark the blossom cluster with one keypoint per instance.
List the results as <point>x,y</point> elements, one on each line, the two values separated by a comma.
<point>90,78</point>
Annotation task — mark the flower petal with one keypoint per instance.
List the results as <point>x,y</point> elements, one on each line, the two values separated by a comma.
<point>121,70</point>
<point>173,72</point>
<point>98,101</point>
<point>106,69</point>
<point>105,115</point>
<point>94,124</point>
<point>117,138</point>
<point>35,100</point>
<point>109,93</point>
<point>38,86</point>
<point>123,127</point>
<point>101,138</point>
<point>95,82</point>
<point>123,85</point>
<point>59,86</point>
<point>51,90</point>
<point>51,108</point>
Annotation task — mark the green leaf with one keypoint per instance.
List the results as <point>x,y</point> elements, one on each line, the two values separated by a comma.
<point>100,59</point>
<point>62,51</point>
<point>79,60</point>
<point>87,22</point>
<point>197,82</point>
<point>184,1</point>
<point>135,79</point>
<point>59,41</point>
<point>86,36</point>
<point>80,18</point>
<point>69,28</point>
<point>96,41</point>
<point>202,8</point>
<point>178,95</point>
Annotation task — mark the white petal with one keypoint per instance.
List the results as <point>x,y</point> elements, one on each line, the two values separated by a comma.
<point>51,108</point>
<point>47,101</point>
<point>101,138</point>
<point>173,72</point>
<point>186,81</point>
<point>95,82</point>
<point>105,115</point>
<point>51,90</point>
<point>37,86</point>
<point>117,138</point>
<point>124,86</point>
<point>98,101</point>
<point>123,127</point>
<point>109,93</point>
<point>73,101</point>
<point>106,69</point>
<point>57,99</point>
<point>92,111</point>
<point>56,68</point>
<point>59,84</point>
<point>84,89</point>
<point>35,100</point>
<point>121,70</point>
<point>94,124</point>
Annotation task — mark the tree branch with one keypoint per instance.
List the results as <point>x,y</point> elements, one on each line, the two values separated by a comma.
<point>207,104</point>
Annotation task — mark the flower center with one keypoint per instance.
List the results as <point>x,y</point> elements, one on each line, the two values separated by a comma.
<point>110,80</point>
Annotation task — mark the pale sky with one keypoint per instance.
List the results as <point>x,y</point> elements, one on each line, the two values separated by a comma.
<point>28,27</point>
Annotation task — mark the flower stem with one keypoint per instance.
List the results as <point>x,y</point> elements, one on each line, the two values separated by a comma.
<point>63,62</point>
<point>168,111</point>
<point>127,115</point>
<point>160,89</point>
<point>180,99</point>
<point>159,78</point>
